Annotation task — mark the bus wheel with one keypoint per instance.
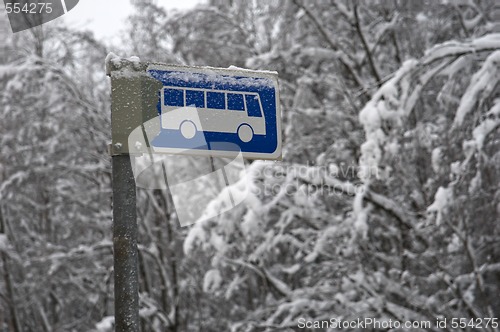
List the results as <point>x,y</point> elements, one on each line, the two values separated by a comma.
<point>245,133</point>
<point>188,129</point>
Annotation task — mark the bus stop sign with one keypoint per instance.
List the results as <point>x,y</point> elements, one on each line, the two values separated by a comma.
<point>198,110</point>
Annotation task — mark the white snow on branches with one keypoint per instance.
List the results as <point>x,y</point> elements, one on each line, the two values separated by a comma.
<point>492,121</point>
<point>383,108</point>
<point>442,199</point>
<point>212,281</point>
<point>482,84</point>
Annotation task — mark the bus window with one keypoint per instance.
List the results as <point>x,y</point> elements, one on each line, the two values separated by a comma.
<point>174,97</point>
<point>196,98</point>
<point>253,105</point>
<point>235,102</point>
<point>216,100</point>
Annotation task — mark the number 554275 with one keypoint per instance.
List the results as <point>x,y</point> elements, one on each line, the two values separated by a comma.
<point>29,8</point>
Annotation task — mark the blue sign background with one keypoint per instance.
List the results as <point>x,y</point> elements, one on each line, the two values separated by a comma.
<point>208,140</point>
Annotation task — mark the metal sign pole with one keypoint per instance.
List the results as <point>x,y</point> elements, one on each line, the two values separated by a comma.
<point>134,96</point>
<point>125,246</point>
<point>127,81</point>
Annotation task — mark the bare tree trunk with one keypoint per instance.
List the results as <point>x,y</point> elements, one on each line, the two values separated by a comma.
<point>14,324</point>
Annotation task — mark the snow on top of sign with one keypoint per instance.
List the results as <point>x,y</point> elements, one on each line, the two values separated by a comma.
<point>134,58</point>
<point>232,67</point>
<point>110,57</point>
<point>211,76</point>
<point>116,60</point>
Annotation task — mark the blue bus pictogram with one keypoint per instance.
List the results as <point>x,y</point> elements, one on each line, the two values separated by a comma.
<point>218,110</point>
<point>210,110</point>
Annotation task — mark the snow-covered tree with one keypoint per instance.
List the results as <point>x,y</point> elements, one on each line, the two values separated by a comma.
<point>411,233</point>
<point>54,182</point>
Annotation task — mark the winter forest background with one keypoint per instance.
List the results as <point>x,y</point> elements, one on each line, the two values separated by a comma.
<point>400,98</point>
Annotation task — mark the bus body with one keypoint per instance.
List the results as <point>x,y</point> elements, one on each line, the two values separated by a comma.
<point>209,110</point>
